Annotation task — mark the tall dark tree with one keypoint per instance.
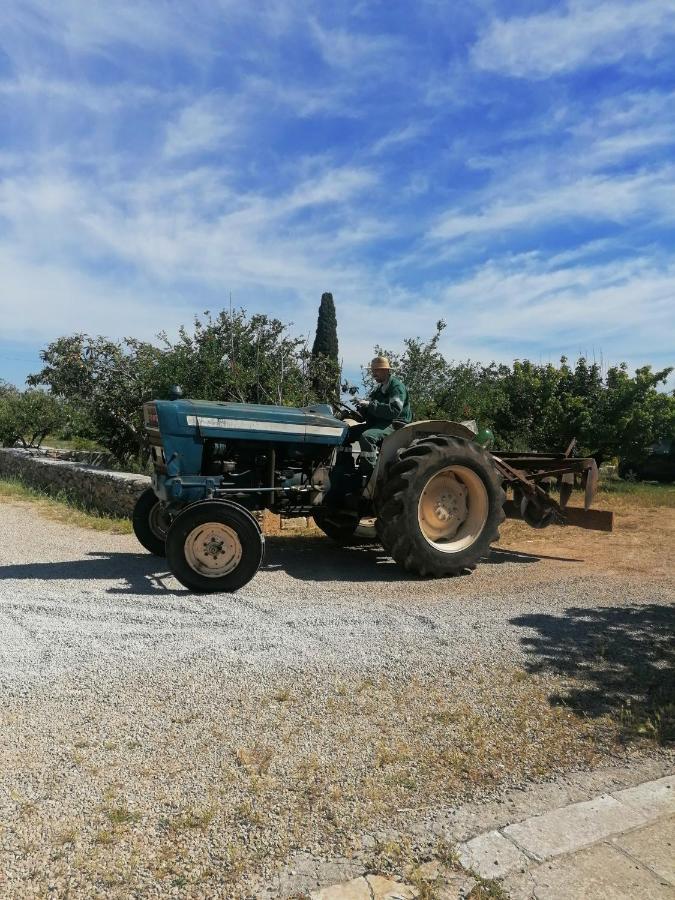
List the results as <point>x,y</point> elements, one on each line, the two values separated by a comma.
<point>324,366</point>
<point>326,340</point>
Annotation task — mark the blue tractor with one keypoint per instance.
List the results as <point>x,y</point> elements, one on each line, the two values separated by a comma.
<point>436,494</point>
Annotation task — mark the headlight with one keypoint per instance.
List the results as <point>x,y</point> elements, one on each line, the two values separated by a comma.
<point>150,417</point>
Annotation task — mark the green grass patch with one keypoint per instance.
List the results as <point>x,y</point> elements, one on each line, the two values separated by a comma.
<point>62,508</point>
<point>76,443</point>
<point>640,492</point>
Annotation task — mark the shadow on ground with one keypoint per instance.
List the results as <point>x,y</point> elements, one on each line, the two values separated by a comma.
<point>142,572</point>
<point>319,559</point>
<point>621,661</point>
<point>303,558</point>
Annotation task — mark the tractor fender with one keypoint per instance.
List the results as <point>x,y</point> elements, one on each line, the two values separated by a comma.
<point>225,502</point>
<point>403,437</point>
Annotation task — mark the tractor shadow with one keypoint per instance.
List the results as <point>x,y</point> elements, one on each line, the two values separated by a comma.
<point>139,573</point>
<point>303,558</point>
<point>498,556</point>
<point>320,559</point>
<point>616,661</point>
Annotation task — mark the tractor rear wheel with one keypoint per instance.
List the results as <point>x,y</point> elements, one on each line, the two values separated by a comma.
<point>150,523</point>
<point>440,506</point>
<point>214,546</point>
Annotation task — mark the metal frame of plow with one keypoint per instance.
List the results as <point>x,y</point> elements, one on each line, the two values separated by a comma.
<point>524,473</point>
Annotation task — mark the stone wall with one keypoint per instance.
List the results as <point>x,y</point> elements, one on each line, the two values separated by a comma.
<point>114,493</point>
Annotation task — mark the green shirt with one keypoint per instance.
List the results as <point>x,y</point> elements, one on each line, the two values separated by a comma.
<point>388,402</point>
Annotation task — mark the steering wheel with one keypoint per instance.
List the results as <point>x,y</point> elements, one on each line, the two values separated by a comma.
<point>348,412</point>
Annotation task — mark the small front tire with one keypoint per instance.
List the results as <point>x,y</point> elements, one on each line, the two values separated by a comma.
<point>214,546</point>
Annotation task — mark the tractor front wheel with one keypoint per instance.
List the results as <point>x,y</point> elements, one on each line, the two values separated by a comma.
<point>440,506</point>
<point>214,546</point>
<point>150,522</point>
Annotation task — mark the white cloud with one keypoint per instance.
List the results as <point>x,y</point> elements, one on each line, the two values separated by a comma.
<point>517,206</point>
<point>585,33</point>
<point>351,50</point>
<point>534,300</point>
<point>405,135</point>
<point>41,300</point>
<point>201,126</point>
<point>98,98</point>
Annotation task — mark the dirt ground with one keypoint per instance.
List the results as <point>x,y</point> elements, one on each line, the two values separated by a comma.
<point>641,543</point>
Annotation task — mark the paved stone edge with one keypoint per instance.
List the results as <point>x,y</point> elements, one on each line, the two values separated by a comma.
<point>489,857</point>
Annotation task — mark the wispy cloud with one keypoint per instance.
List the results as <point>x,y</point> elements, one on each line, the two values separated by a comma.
<point>581,34</point>
<point>593,198</point>
<point>542,309</point>
<point>201,126</point>
<point>399,136</point>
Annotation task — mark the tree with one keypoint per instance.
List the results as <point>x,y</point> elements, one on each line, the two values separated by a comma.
<point>27,417</point>
<point>109,381</point>
<point>326,340</point>
<point>632,413</point>
<point>228,357</point>
<point>324,366</point>
<point>538,407</point>
<point>239,358</point>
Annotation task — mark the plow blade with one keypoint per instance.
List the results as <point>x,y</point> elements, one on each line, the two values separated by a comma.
<point>593,519</point>
<point>589,480</point>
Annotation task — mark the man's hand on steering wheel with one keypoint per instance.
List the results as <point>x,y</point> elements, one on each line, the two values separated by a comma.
<point>348,412</point>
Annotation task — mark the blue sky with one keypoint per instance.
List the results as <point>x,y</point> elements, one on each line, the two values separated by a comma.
<point>506,166</point>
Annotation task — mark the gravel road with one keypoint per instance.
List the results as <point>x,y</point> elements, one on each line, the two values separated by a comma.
<point>77,600</point>
<point>210,736</point>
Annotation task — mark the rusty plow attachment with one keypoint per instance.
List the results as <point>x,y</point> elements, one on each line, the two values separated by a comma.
<point>531,476</point>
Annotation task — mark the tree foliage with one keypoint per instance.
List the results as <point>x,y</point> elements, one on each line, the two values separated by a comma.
<point>27,417</point>
<point>324,365</point>
<point>531,406</point>
<point>230,356</point>
<point>326,340</point>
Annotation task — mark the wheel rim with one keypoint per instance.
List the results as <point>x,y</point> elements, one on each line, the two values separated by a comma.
<point>453,509</point>
<point>213,549</point>
<point>158,522</point>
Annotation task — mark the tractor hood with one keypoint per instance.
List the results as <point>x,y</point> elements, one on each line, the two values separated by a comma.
<point>242,421</point>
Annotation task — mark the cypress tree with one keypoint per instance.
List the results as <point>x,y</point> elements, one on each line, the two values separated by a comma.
<point>326,340</point>
<point>324,367</point>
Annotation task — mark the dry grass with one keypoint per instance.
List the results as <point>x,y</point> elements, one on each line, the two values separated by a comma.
<point>61,509</point>
<point>205,810</point>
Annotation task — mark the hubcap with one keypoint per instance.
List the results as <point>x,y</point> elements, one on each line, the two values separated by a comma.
<point>213,549</point>
<point>453,509</point>
<point>158,521</point>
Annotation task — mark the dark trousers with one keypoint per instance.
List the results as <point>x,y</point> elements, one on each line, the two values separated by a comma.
<point>369,436</point>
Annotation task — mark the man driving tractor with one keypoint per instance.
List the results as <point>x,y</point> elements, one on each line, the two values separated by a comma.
<point>389,402</point>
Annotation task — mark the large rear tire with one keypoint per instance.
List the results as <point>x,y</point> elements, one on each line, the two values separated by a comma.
<point>150,523</point>
<point>214,546</point>
<point>440,506</point>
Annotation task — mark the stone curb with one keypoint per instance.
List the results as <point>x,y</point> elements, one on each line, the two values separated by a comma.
<point>567,829</point>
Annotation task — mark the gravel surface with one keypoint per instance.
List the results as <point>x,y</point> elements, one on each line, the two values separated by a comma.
<point>157,743</point>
